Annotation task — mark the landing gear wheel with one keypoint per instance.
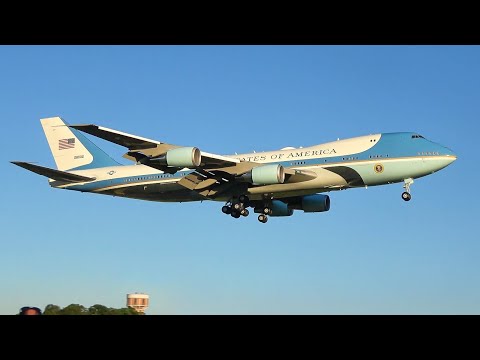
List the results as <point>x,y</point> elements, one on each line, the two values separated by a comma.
<point>406,196</point>
<point>235,214</point>
<point>244,200</point>
<point>267,211</point>
<point>238,206</point>
<point>226,209</point>
<point>262,218</point>
<point>244,212</point>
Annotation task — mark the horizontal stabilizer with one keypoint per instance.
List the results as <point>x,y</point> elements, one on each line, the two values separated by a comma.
<point>53,174</point>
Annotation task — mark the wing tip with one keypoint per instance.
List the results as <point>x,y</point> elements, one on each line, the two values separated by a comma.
<point>18,163</point>
<point>80,126</point>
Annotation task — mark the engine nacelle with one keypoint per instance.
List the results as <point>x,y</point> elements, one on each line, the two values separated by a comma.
<point>265,175</point>
<point>315,203</point>
<point>180,157</point>
<point>279,208</point>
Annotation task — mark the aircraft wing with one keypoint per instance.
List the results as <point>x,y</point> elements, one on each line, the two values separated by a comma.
<point>131,142</point>
<point>142,149</point>
<point>214,182</point>
<point>217,160</point>
<point>214,174</point>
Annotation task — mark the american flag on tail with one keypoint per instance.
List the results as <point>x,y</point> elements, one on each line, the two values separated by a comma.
<point>66,144</point>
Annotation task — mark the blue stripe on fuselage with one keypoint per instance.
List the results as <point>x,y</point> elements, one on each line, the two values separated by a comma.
<point>128,180</point>
<point>390,145</point>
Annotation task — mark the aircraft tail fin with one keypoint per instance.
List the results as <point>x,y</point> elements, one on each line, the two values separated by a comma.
<point>71,150</point>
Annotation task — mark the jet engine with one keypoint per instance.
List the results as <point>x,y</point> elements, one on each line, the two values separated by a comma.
<point>180,157</point>
<point>279,208</point>
<point>264,175</point>
<point>315,203</point>
<point>311,203</point>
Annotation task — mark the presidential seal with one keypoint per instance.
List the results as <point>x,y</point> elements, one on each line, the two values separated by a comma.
<point>378,168</point>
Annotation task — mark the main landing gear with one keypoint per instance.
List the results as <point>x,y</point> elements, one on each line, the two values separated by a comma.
<point>237,207</point>
<point>264,211</point>
<point>262,218</point>
<point>406,194</point>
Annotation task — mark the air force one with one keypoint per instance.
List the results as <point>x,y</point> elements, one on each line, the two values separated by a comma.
<point>273,183</point>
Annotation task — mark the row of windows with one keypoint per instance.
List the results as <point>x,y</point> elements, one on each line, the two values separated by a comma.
<point>428,153</point>
<point>417,136</point>
<point>152,177</point>
<point>148,177</point>
<point>350,158</point>
<point>373,140</point>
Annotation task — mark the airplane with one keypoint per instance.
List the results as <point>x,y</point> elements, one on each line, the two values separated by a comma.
<point>273,183</point>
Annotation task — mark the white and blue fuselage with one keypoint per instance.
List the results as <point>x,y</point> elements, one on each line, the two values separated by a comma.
<point>356,162</point>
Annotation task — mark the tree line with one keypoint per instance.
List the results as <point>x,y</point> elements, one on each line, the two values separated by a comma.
<point>97,309</point>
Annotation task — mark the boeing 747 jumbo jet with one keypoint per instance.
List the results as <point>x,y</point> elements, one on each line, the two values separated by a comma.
<point>273,183</point>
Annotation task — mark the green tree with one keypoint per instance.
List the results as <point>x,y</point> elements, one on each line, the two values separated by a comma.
<point>74,309</point>
<point>98,309</point>
<point>51,309</point>
<point>124,311</point>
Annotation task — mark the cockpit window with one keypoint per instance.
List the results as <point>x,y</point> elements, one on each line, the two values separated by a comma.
<point>416,136</point>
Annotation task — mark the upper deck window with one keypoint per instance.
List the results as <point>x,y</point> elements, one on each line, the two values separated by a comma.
<point>416,136</point>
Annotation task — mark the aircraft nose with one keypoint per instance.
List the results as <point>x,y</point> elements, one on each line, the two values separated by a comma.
<point>450,154</point>
<point>445,157</point>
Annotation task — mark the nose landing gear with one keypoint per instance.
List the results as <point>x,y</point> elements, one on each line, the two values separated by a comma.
<point>406,194</point>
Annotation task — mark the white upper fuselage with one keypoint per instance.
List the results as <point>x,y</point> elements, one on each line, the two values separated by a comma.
<point>360,161</point>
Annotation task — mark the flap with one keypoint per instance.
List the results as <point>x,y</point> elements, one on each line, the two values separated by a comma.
<point>217,160</point>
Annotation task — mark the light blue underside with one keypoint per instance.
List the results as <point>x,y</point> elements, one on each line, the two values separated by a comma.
<point>387,151</point>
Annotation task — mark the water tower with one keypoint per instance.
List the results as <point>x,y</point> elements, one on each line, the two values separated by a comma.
<point>138,301</point>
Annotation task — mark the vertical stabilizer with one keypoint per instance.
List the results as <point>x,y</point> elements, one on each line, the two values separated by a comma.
<point>71,149</point>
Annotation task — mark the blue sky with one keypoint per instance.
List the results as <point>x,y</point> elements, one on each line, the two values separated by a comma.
<point>372,253</point>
